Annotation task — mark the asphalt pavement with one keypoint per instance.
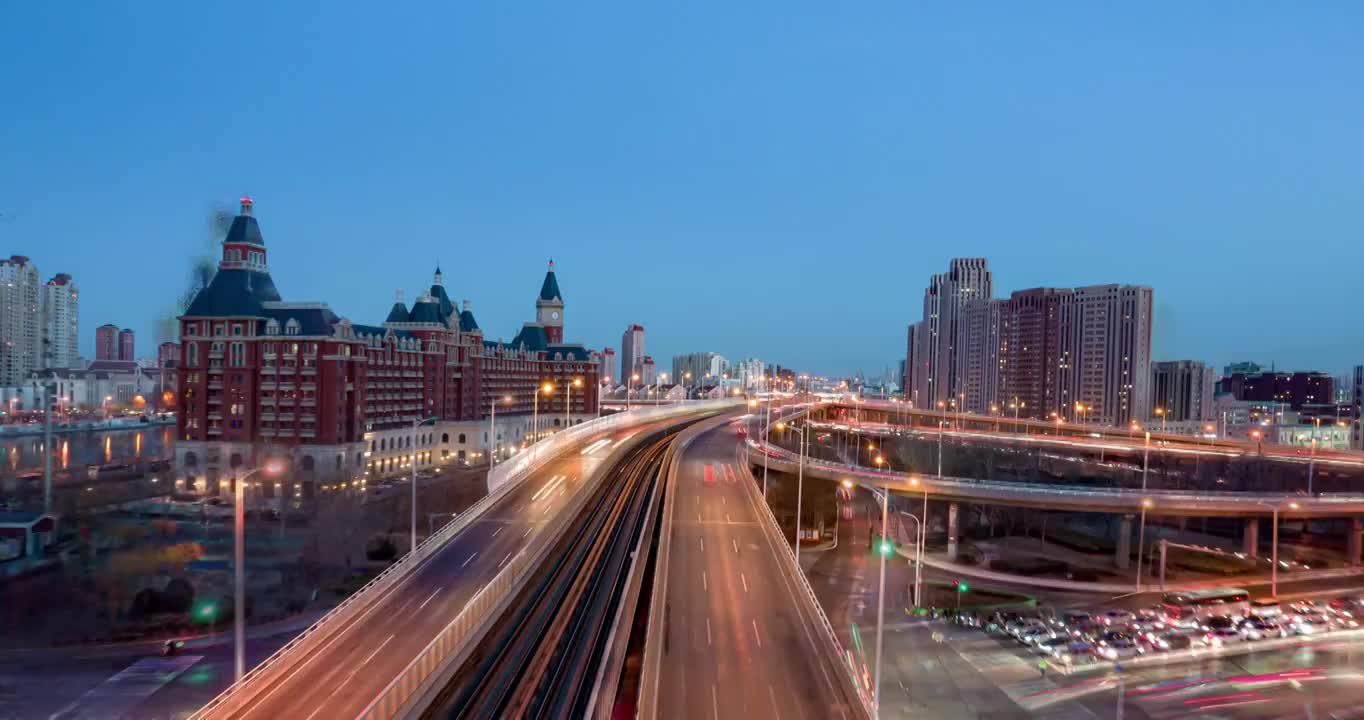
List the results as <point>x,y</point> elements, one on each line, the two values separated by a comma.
<point>737,647</point>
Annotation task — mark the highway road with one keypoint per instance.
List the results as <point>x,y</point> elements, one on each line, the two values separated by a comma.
<point>736,647</point>
<point>352,667</point>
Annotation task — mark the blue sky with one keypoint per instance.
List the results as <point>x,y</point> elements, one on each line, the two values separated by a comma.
<point>764,178</point>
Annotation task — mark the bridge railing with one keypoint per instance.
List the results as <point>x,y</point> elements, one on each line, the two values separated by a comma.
<point>1052,488</point>
<point>416,680</point>
<point>501,479</point>
<point>810,600</point>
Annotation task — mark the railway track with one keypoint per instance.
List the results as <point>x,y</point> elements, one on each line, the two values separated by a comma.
<point>542,658</point>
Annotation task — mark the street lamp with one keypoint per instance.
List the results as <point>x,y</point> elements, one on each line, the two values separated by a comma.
<point>686,383</point>
<point>545,388</point>
<point>605,386</point>
<point>628,386</point>
<point>492,432</point>
<point>415,424</point>
<point>272,467</point>
<point>881,594</point>
<point>568,399</point>
<point>1160,412</point>
<point>1274,546</point>
<point>1146,504</point>
<point>800,485</point>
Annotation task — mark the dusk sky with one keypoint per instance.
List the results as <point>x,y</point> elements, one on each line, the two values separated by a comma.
<point>760,179</point>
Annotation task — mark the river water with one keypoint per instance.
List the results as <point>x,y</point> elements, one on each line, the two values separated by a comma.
<point>20,455</point>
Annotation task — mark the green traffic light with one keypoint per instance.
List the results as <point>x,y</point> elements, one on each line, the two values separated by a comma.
<point>963,587</point>
<point>885,547</point>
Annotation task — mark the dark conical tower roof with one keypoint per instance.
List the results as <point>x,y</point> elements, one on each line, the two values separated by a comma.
<point>549,291</point>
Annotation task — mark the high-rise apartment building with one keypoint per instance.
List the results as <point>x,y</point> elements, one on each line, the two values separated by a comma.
<point>1106,353</point>
<point>648,373</point>
<point>1294,389</point>
<point>61,321</point>
<point>1030,357</point>
<point>106,342</point>
<point>607,369</point>
<point>945,332</point>
<point>127,346</point>
<point>1182,390</point>
<point>631,352</point>
<point>20,320</point>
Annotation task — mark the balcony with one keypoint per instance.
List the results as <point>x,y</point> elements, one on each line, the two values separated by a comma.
<point>306,433</point>
<point>267,385</point>
<point>267,432</point>
<point>286,417</point>
<point>267,416</point>
<point>215,384</point>
<point>309,402</point>
<point>309,371</point>
<point>286,432</point>
<point>287,370</point>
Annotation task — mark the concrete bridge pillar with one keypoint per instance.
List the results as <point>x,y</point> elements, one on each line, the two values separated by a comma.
<point>1122,558</point>
<point>1250,537</point>
<point>1352,540</point>
<point>953,530</point>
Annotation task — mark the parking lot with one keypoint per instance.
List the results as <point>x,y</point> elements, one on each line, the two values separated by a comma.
<point>1182,627</point>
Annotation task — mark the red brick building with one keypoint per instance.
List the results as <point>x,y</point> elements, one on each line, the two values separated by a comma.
<point>262,376</point>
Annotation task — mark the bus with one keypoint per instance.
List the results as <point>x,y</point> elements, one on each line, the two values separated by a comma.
<point>1190,606</point>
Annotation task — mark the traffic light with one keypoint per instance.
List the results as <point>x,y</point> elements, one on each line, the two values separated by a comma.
<point>885,547</point>
<point>962,586</point>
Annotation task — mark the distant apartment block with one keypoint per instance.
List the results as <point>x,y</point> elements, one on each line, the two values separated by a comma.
<point>1182,390</point>
<point>1073,353</point>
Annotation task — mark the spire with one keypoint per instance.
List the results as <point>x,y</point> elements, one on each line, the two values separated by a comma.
<point>439,278</point>
<point>247,202</point>
<point>549,291</point>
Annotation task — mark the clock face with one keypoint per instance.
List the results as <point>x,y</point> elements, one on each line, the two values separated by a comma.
<point>554,315</point>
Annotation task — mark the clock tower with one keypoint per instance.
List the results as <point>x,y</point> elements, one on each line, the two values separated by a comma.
<point>549,307</point>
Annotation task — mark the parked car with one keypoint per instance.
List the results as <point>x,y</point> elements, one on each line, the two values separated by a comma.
<point>1226,635</point>
<point>1258,628</point>
<point>1076,653</point>
<point>1121,649</point>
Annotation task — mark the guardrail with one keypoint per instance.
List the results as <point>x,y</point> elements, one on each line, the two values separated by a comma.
<point>1133,496</point>
<point>506,476</point>
<point>417,679</point>
<point>811,601</point>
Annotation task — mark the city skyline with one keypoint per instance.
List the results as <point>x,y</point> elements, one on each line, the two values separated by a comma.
<point>714,169</point>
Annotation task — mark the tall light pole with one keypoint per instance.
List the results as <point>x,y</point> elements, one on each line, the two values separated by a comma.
<point>1145,460</point>
<point>492,433</point>
<point>568,399</point>
<point>415,424</point>
<point>1141,538</point>
<point>271,468</point>
<point>606,386</point>
<point>686,384</point>
<point>1160,412</point>
<point>767,438</point>
<point>800,485</point>
<point>940,424</point>
<point>881,597</point>
<point>1274,546</point>
<point>546,388</point>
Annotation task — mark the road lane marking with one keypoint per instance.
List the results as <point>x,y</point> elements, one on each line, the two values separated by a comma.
<point>433,597</point>
<point>698,518</point>
<point>736,545</point>
<point>703,544</point>
<point>708,631</point>
<point>723,501</point>
<point>527,534</point>
<point>495,532</point>
<point>744,580</point>
<point>548,488</point>
<point>704,586</point>
<point>471,559</point>
<point>756,635</point>
<point>504,560</point>
<point>315,711</point>
<point>376,651</point>
<point>726,517</point>
<point>776,709</point>
<point>714,703</point>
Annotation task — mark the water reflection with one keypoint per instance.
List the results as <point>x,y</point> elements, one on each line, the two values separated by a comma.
<point>22,455</point>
